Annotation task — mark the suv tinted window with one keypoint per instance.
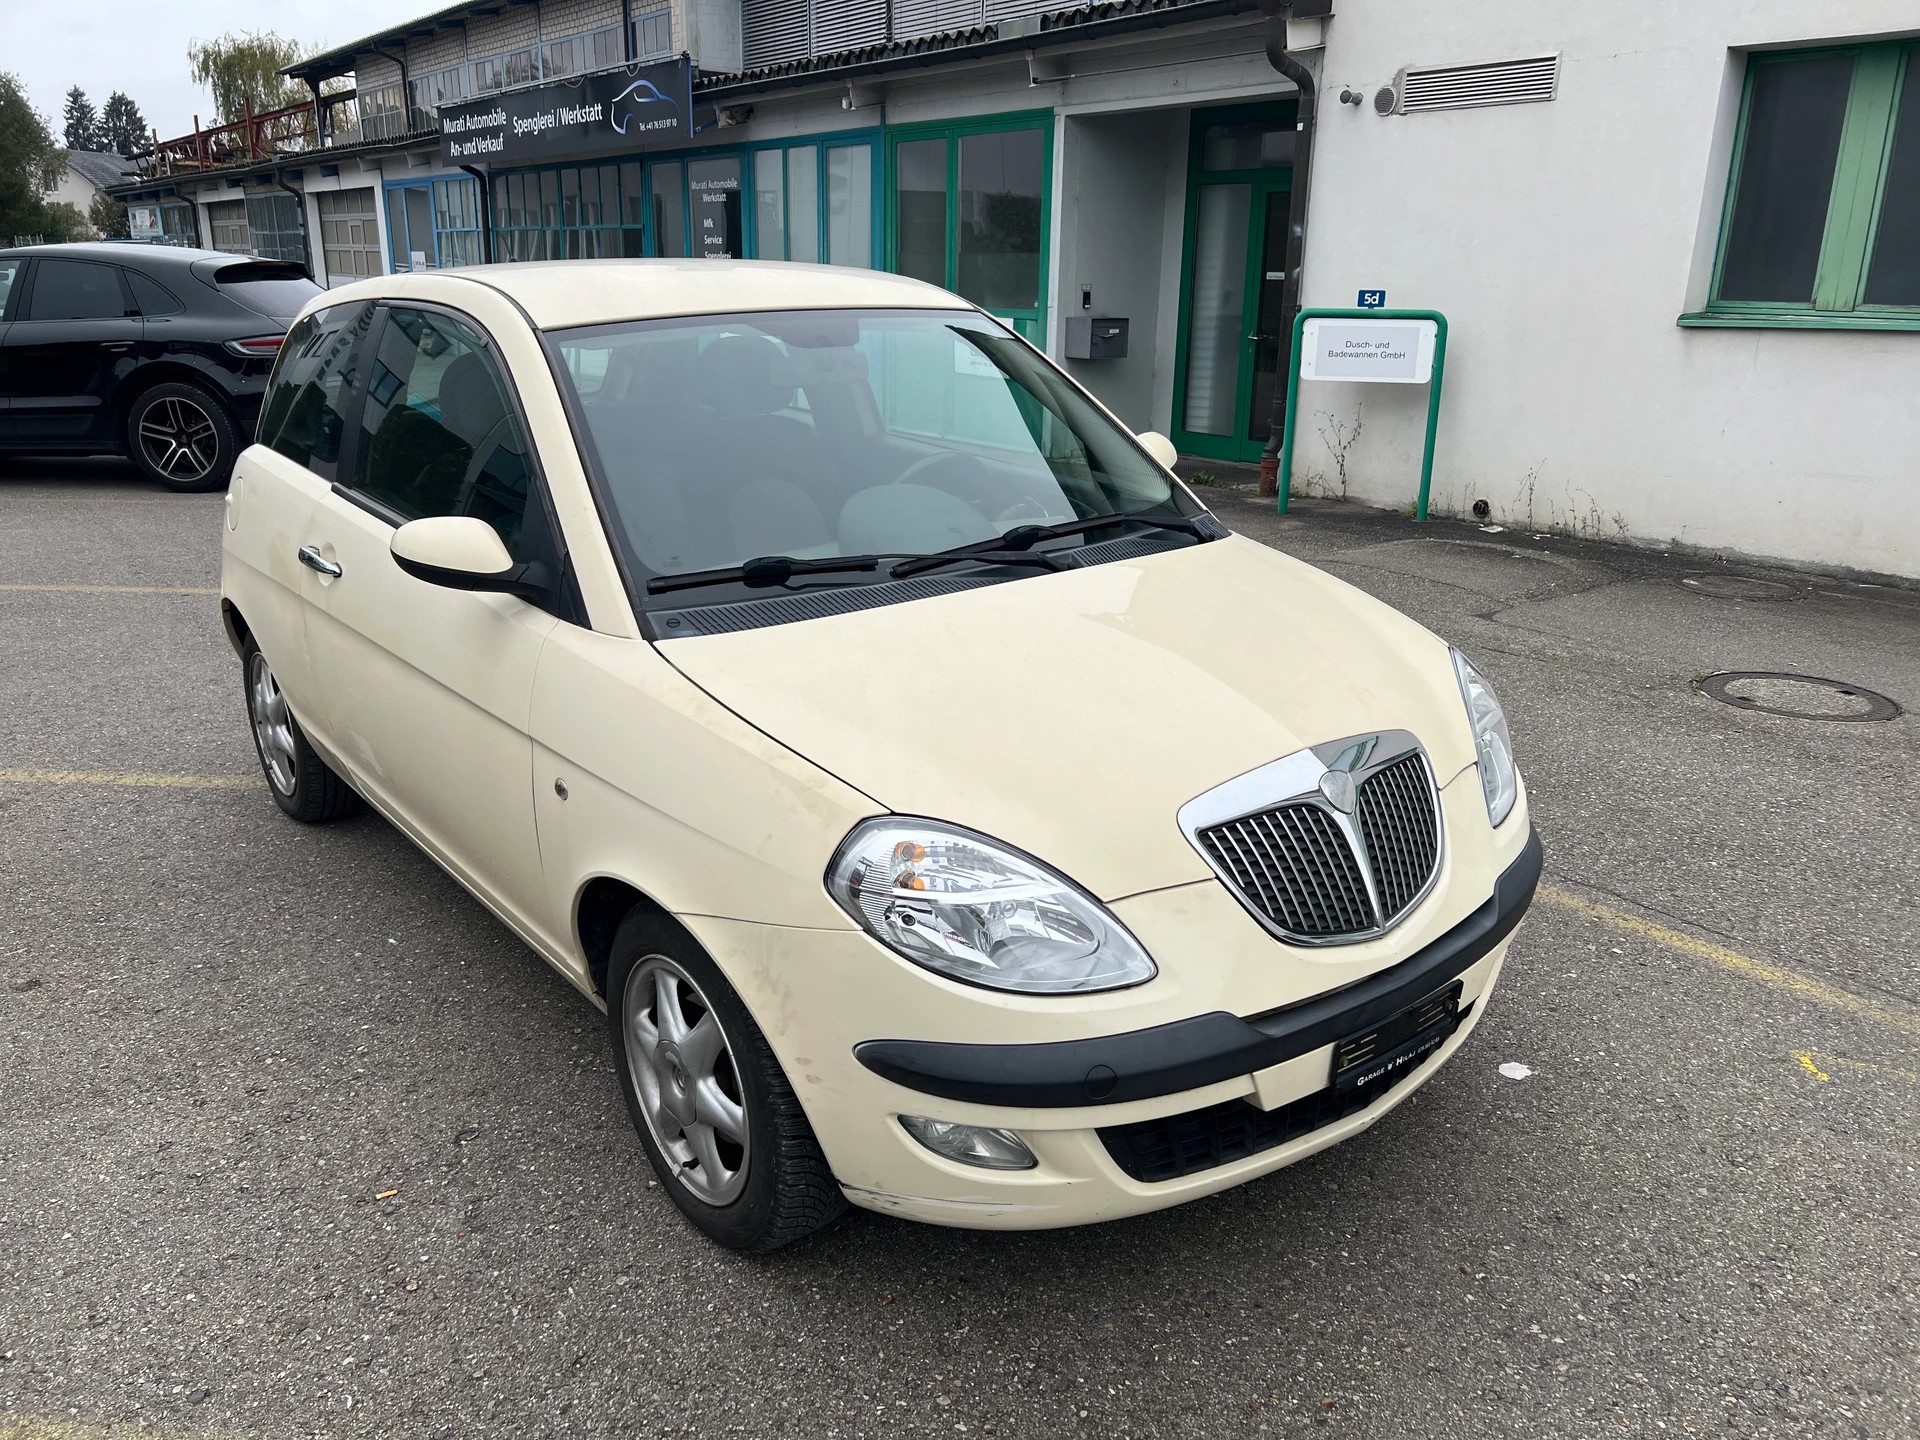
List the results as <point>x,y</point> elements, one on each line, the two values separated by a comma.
<point>76,290</point>
<point>306,400</point>
<point>277,289</point>
<point>151,296</point>
<point>439,435</point>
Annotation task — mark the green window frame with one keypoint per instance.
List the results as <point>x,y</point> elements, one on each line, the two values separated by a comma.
<point>1029,320</point>
<point>1876,135</point>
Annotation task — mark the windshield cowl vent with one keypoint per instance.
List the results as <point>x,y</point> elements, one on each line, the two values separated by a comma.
<point>1528,81</point>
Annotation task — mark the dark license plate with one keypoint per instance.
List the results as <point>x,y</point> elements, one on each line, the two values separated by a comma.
<point>1398,1043</point>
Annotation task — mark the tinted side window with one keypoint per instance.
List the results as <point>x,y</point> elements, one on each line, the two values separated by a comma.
<point>439,436</point>
<point>306,400</point>
<point>76,290</point>
<point>151,296</point>
<point>9,272</point>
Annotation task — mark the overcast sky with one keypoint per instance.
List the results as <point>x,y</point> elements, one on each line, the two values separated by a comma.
<point>140,46</point>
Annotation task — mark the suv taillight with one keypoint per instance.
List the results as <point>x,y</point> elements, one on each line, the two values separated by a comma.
<point>260,347</point>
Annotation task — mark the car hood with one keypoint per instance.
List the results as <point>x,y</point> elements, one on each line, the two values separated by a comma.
<point>1072,714</point>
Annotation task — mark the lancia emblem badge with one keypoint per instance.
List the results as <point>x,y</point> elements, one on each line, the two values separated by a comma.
<point>1337,786</point>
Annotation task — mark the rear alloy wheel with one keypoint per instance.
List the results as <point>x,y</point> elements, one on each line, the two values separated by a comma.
<point>182,437</point>
<point>301,782</point>
<point>725,1133</point>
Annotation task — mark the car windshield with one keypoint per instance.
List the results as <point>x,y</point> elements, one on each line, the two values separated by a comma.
<point>814,434</point>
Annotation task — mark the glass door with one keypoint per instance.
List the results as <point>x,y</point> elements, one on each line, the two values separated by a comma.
<point>967,207</point>
<point>1234,346</point>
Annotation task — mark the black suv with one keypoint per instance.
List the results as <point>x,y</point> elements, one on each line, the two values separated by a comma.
<point>154,353</point>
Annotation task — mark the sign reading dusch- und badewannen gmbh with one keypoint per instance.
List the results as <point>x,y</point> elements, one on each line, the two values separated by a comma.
<point>597,115</point>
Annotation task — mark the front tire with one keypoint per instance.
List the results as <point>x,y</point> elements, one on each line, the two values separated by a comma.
<point>301,782</point>
<point>181,437</point>
<point>725,1133</point>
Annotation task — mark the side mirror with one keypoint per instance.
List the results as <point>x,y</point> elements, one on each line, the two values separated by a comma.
<point>1159,447</point>
<point>462,553</point>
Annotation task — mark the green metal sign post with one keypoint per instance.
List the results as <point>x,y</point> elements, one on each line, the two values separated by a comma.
<point>1433,389</point>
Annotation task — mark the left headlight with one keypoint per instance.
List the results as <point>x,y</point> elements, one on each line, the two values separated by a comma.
<point>966,907</point>
<point>1499,779</point>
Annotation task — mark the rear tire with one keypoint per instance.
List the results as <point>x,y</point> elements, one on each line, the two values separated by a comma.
<point>690,1060</point>
<point>181,436</point>
<point>301,782</point>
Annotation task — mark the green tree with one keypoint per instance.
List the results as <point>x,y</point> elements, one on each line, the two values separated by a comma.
<point>123,129</point>
<point>243,72</point>
<point>83,130</point>
<point>108,217</point>
<point>65,222</point>
<point>27,153</point>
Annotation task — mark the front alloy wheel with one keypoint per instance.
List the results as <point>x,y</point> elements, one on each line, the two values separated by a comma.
<point>718,1118</point>
<point>684,1075</point>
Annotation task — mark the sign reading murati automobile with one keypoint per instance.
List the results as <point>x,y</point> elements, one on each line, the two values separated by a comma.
<point>1395,351</point>
<point>596,115</point>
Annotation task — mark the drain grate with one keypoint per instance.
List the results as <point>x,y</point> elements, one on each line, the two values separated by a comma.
<point>1742,587</point>
<point>1798,697</point>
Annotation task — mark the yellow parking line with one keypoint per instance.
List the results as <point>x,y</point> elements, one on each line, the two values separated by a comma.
<point>1764,971</point>
<point>113,590</point>
<point>1812,1065</point>
<point>54,1427</point>
<point>123,777</point>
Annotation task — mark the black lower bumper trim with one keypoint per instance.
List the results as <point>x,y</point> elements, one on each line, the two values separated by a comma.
<point>1187,1054</point>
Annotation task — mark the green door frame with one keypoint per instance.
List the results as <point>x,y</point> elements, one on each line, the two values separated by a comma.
<point>1031,321</point>
<point>1263,183</point>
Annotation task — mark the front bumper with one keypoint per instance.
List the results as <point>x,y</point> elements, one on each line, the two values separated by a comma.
<point>1233,1097</point>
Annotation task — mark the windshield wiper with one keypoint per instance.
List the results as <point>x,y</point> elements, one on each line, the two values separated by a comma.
<point>767,570</point>
<point>1022,538</point>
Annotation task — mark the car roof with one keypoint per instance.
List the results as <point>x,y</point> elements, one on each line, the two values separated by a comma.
<point>155,257</point>
<point>560,294</point>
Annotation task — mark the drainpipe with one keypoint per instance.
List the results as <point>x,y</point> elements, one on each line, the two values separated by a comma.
<point>1288,65</point>
<point>486,211</point>
<point>626,30</point>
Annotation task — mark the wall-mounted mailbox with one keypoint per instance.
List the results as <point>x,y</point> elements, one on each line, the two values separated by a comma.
<point>1091,339</point>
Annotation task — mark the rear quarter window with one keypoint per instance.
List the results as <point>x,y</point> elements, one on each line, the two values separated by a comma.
<point>305,409</point>
<point>277,289</point>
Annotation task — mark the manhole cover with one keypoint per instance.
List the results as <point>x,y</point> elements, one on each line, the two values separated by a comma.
<point>1800,697</point>
<point>1742,587</point>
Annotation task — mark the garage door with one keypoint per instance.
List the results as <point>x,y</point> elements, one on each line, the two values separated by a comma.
<point>349,235</point>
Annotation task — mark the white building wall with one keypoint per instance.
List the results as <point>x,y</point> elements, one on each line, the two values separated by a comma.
<point>1562,240</point>
<point>72,188</point>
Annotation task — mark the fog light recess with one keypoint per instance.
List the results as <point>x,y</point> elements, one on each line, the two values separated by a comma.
<point>970,1144</point>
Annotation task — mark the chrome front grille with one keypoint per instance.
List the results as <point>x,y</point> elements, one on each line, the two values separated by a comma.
<point>1297,868</point>
<point>1395,812</point>
<point>1347,841</point>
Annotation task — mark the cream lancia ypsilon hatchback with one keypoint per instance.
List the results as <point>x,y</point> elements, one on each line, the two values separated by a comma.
<point>952,816</point>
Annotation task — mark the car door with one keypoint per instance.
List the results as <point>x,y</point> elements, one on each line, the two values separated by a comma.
<point>11,269</point>
<point>278,480</point>
<point>424,691</point>
<point>66,352</point>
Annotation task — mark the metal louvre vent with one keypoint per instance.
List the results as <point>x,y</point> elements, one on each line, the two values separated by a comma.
<point>1350,848</point>
<point>773,31</point>
<point>1464,87</point>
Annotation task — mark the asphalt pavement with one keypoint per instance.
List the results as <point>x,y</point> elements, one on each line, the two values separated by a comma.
<point>297,1141</point>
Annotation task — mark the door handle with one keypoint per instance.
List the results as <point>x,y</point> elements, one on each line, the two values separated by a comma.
<point>118,346</point>
<point>311,557</point>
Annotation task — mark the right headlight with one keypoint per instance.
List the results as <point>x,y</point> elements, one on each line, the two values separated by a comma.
<point>968,908</point>
<point>1499,779</point>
